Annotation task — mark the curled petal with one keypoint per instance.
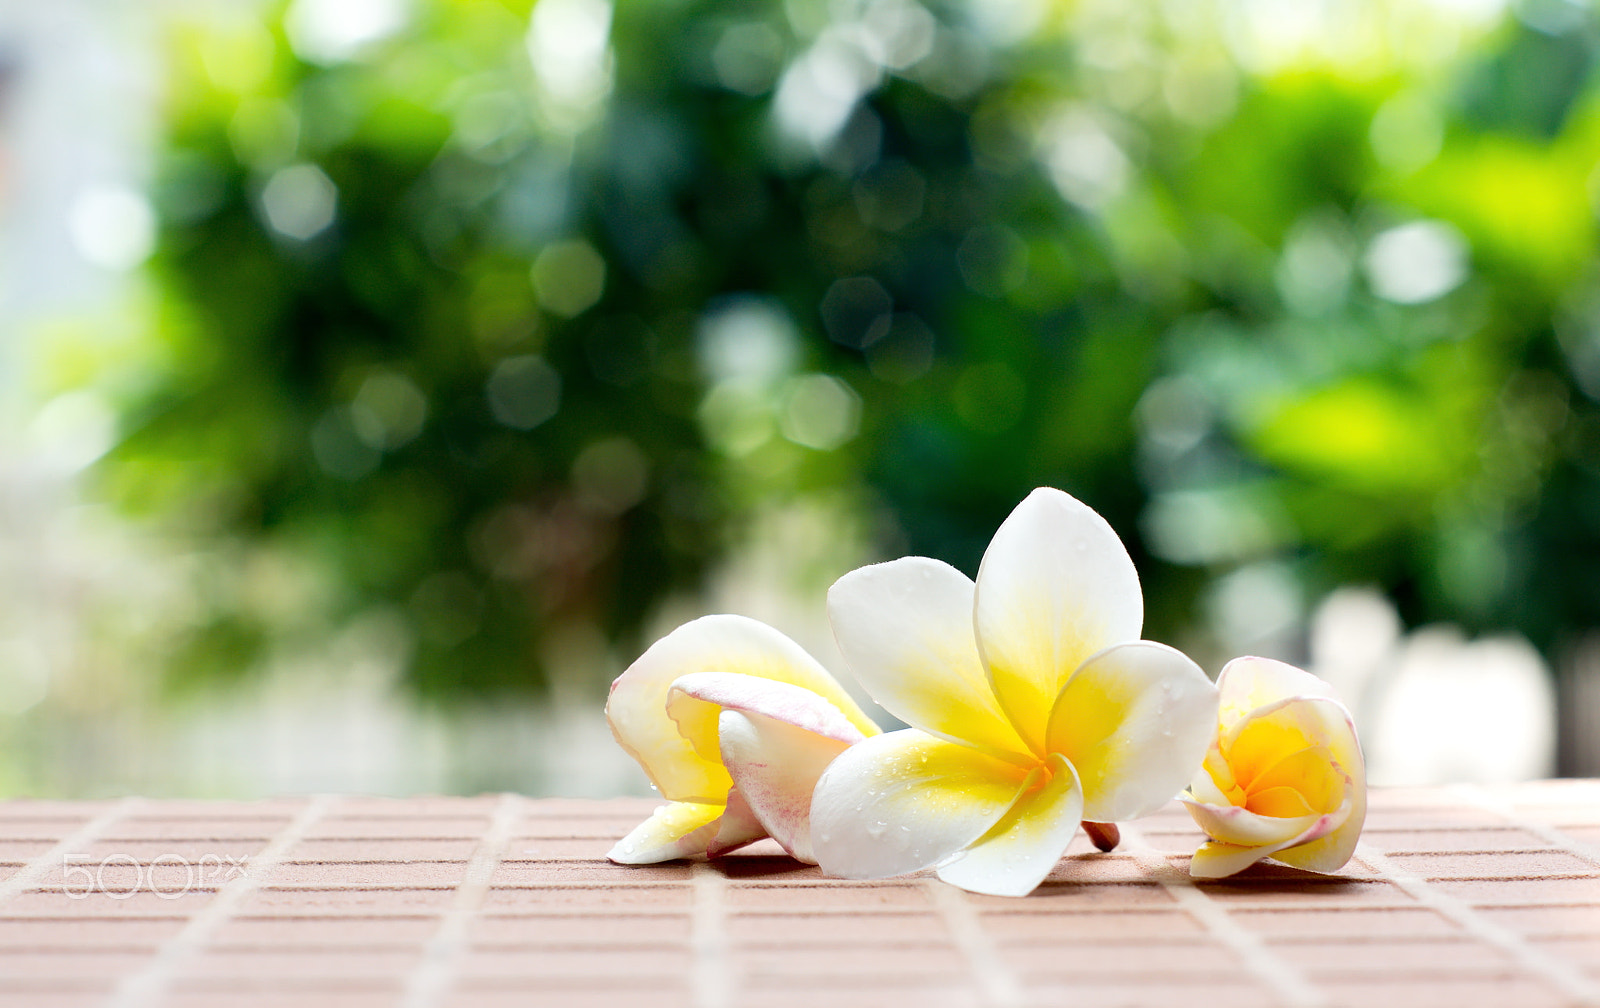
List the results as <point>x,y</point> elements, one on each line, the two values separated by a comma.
<point>1019,850</point>
<point>1216,859</point>
<point>775,766</point>
<point>1134,722</point>
<point>688,768</point>
<point>1231,824</point>
<point>905,801</point>
<point>905,628</point>
<point>703,695</point>
<point>1248,684</point>
<point>680,830</point>
<point>737,827</point>
<point>1055,586</point>
<point>1326,724</point>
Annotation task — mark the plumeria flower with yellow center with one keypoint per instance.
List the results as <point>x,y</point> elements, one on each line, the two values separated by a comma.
<point>1032,705</point>
<point>1284,775</point>
<point>733,722</point>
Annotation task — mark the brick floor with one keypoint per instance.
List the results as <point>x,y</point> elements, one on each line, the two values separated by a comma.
<point>1458,897</point>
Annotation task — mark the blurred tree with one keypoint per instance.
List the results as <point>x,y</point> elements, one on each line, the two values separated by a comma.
<point>508,316</point>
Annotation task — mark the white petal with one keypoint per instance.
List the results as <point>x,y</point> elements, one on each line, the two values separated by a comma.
<point>1324,722</point>
<point>1056,585</point>
<point>737,827</point>
<point>1216,859</point>
<point>905,628</point>
<point>1234,824</point>
<point>1249,683</point>
<point>674,830</point>
<point>781,701</point>
<point>904,801</point>
<point>1135,722</point>
<point>687,768</point>
<point>1021,849</point>
<point>775,766</point>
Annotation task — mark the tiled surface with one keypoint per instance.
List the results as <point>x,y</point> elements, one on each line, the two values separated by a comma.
<point>1458,897</point>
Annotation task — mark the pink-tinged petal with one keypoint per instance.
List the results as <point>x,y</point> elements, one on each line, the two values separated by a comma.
<point>674,830</point>
<point>781,701</point>
<point>1135,722</point>
<point>1324,722</point>
<point>905,629</point>
<point>1231,824</point>
<point>1021,849</point>
<point>1056,585</point>
<point>1247,684</point>
<point>904,801</point>
<point>687,767</point>
<point>737,827</point>
<point>775,766</point>
<point>1216,859</point>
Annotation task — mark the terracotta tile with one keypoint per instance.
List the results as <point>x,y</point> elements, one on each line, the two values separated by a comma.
<point>397,828</point>
<point>1027,927</point>
<point>535,873</point>
<point>81,997</point>
<point>100,964</point>
<point>1396,842</point>
<point>358,849</point>
<point>1390,955</point>
<point>1581,919</point>
<point>234,997</point>
<point>1067,961</point>
<point>569,964</point>
<point>78,933</point>
<point>576,930</point>
<point>753,928</point>
<point>882,964</point>
<point>1582,950</point>
<point>1208,991</point>
<point>228,832</point>
<point>784,993</point>
<point>595,899</point>
<point>310,902</point>
<point>1496,865</point>
<point>1523,890</point>
<point>862,899</point>
<point>304,965</point>
<point>144,903</point>
<point>515,994</point>
<point>1053,896</point>
<point>1445,992</point>
<point>1312,890</point>
<point>359,873</point>
<point>328,930</point>
<point>1344,922</point>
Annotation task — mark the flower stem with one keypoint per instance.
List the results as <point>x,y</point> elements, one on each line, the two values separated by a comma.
<point>1104,835</point>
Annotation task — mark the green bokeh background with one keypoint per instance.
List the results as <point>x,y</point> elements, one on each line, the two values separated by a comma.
<point>1323,307</point>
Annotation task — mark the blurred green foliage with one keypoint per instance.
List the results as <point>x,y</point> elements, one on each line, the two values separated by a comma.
<point>509,328</point>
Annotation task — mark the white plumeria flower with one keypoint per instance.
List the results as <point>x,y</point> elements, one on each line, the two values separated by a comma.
<point>733,722</point>
<point>1284,776</point>
<point>1033,705</point>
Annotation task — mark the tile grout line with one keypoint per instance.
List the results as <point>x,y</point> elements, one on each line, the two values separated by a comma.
<point>147,985</point>
<point>442,955</point>
<point>1479,796</point>
<point>35,870</point>
<point>1282,977</point>
<point>711,977</point>
<point>998,987</point>
<point>1569,980</point>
